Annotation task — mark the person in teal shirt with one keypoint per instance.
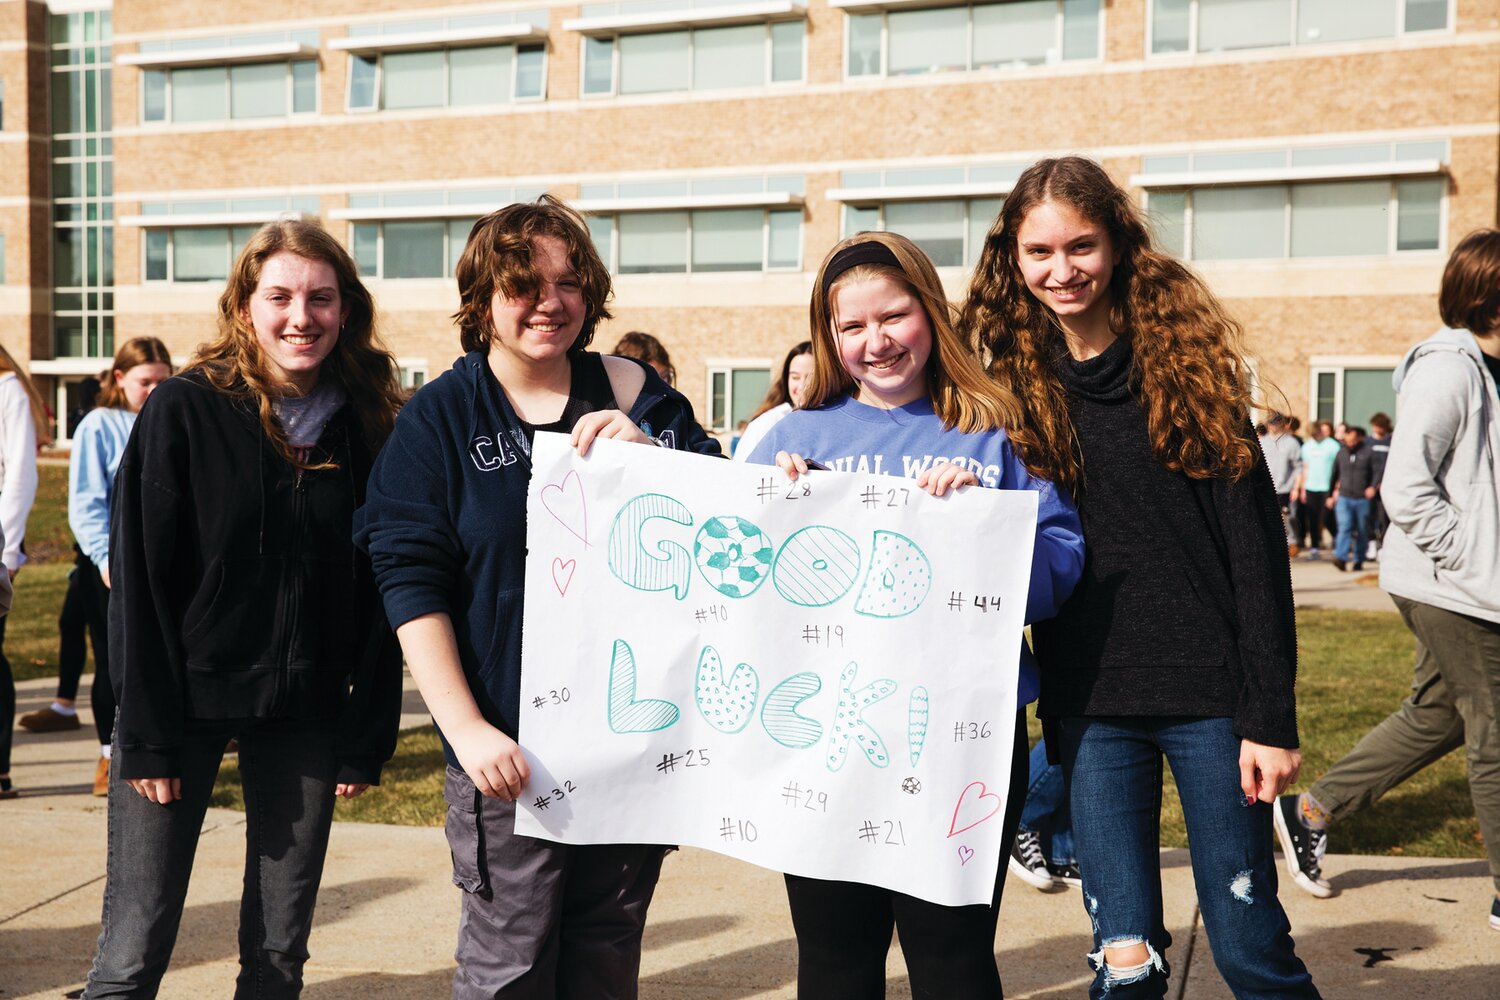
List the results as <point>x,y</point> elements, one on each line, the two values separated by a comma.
<point>1315,480</point>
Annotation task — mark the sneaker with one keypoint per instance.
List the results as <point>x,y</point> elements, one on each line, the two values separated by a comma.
<point>7,790</point>
<point>1027,862</point>
<point>1303,847</point>
<point>46,720</point>
<point>1495,914</point>
<point>101,777</point>
<point>1339,564</point>
<point>1370,551</point>
<point>1293,550</point>
<point>1358,567</point>
<point>1067,874</point>
<point>1312,555</point>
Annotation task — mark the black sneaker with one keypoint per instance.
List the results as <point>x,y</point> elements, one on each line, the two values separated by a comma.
<point>1303,847</point>
<point>1339,564</point>
<point>1067,874</point>
<point>1495,914</point>
<point>1027,862</point>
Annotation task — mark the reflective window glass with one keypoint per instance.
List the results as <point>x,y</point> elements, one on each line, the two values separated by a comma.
<point>362,74</point>
<point>1239,222</point>
<point>200,254</point>
<point>414,249</point>
<point>412,79</point>
<point>1168,214</point>
<point>479,75</point>
<point>1346,219</point>
<point>365,237</point>
<point>1243,24</point>
<point>200,94</point>
<point>935,226</point>
<point>727,239</point>
<point>864,44</point>
<point>982,214</point>
<point>652,242</point>
<point>153,95</point>
<point>1170,25</point>
<point>1080,29</point>
<point>928,41</point>
<point>530,71</point>
<point>786,51</point>
<point>1426,15</point>
<point>654,63</point>
<point>1015,33</point>
<point>598,65</point>
<point>729,57</point>
<point>156,254</point>
<point>257,90</point>
<point>1344,20</point>
<point>304,86</point>
<point>784,247</point>
<point>1419,214</point>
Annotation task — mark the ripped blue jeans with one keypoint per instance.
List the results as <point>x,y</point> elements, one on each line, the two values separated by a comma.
<point>1113,767</point>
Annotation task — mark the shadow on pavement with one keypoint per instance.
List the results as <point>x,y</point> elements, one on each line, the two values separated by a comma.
<point>670,932</point>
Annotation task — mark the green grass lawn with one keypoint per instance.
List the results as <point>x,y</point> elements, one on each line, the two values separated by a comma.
<point>1355,669</point>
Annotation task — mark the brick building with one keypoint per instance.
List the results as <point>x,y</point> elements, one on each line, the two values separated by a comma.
<point>1314,159</point>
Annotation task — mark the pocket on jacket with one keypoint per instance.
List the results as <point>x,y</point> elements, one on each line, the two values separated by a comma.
<point>239,624</point>
<point>464,826</point>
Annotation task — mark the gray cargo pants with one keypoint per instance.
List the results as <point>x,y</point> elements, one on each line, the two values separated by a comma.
<point>1454,702</point>
<point>540,920</point>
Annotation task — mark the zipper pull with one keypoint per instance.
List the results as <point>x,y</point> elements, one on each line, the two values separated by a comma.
<point>298,485</point>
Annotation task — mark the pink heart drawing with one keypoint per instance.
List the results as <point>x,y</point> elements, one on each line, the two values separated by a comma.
<point>562,575</point>
<point>971,811</point>
<point>568,509</point>
<point>965,854</point>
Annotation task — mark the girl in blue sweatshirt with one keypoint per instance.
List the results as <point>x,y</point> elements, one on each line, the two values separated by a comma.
<point>141,364</point>
<point>895,390</point>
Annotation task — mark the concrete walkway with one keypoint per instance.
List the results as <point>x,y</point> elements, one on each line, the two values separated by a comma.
<point>387,915</point>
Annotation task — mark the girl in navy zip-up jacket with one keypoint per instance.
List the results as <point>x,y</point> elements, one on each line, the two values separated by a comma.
<point>445,526</point>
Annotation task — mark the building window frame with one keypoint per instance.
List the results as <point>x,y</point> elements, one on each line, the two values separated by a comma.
<point>1335,369</point>
<point>720,393</point>
<point>150,77</point>
<point>856,9</point>
<point>611,253</point>
<point>377,82</point>
<point>1399,32</point>
<point>616,61</point>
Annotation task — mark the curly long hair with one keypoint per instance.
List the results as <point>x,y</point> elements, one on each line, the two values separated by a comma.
<point>359,363</point>
<point>1188,365</point>
<point>962,396</point>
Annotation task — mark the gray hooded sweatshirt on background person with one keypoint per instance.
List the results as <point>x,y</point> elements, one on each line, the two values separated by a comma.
<point>1442,480</point>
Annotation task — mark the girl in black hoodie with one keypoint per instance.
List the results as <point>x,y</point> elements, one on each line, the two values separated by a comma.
<point>1180,639</point>
<point>240,609</point>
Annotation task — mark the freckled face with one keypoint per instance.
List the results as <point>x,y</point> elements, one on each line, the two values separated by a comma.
<point>542,328</point>
<point>296,312</point>
<point>884,339</point>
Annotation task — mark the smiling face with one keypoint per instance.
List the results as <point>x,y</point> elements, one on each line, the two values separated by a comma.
<point>136,383</point>
<point>540,330</point>
<point>1066,261</point>
<point>797,374</point>
<point>296,313</point>
<point>884,339</point>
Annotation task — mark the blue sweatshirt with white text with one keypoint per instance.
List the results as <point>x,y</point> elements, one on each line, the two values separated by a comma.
<point>849,436</point>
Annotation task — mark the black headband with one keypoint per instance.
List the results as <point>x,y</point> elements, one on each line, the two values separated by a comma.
<point>868,252</point>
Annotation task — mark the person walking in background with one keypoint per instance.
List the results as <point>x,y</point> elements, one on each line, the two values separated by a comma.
<point>241,609</point>
<point>1353,489</point>
<point>786,394</point>
<point>1180,639</point>
<point>1314,482</point>
<point>1284,458</point>
<point>1042,855</point>
<point>23,431</point>
<point>141,364</point>
<point>1380,449</point>
<point>1439,565</point>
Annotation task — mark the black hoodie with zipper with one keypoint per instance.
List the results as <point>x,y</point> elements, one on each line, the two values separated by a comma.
<point>237,593</point>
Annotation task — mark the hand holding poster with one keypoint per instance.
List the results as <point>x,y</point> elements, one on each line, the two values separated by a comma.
<point>818,677</point>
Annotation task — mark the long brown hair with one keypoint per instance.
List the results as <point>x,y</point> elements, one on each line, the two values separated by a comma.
<point>1469,298</point>
<point>498,258</point>
<point>359,362</point>
<point>779,393</point>
<point>1188,366</point>
<point>135,351</point>
<point>38,409</point>
<point>962,396</point>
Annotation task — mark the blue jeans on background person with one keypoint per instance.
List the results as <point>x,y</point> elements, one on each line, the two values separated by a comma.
<point>1114,771</point>
<point>1354,516</point>
<point>288,772</point>
<point>1046,812</point>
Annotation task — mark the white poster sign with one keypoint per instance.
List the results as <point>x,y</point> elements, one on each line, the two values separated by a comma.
<point>818,677</point>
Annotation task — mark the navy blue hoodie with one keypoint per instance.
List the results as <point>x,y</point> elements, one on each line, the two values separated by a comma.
<point>444,518</point>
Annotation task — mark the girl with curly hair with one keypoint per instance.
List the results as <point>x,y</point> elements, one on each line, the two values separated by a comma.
<point>240,609</point>
<point>1180,640</point>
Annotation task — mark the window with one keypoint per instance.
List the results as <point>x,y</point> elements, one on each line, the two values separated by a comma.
<point>721,58</point>
<point>234,92</point>
<point>944,39</point>
<point>1346,218</point>
<point>734,391</point>
<point>700,241</point>
<point>950,231</point>
<point>419,248</point>
<point>1228,25</point>
<point>194,253</point>
<point>412,374</point>
<point>1351,389</point>
<point>435,78</point>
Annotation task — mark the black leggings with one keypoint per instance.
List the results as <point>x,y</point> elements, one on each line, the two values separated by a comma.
<point>76,622</point>
<point>844,928</point>
<point>1314,515</point>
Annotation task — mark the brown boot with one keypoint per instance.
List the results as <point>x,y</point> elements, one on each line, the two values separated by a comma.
<point>45,720</point>
<point>101,777</point>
